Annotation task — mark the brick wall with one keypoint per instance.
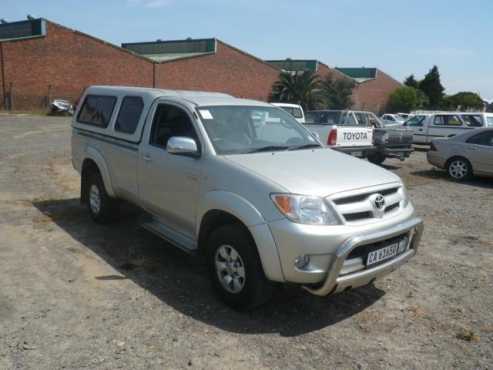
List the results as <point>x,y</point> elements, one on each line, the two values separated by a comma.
<point>63,63</point>
<point>229,70</point>
<point>373,95</point>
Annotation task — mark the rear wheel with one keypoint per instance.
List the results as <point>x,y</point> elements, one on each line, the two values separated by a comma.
<point>459,169</point>
<point>235,268</point>
<point>376,158</point>
<point>101,206</point>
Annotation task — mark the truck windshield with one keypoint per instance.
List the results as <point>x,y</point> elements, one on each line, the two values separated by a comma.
<point>248,129</point>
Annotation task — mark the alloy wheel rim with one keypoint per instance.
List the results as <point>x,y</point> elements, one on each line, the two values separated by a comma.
<point>458,169</point>
<point>230,268</point>
<point>95,199</point>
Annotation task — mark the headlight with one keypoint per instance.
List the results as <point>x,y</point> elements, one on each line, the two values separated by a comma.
<point>305,209</point>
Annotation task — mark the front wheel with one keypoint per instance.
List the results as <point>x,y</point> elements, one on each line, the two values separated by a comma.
<point>235,268</point>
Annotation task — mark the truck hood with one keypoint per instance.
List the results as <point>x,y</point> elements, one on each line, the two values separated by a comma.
<point>319,172</point>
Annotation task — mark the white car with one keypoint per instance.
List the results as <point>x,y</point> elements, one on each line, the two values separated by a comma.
<point>294,109</point>
<point>392,119</point>
<point>430,126</point>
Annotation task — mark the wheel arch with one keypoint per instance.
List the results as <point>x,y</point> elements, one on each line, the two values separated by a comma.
<point>222,208</point>
<point>94,161</point>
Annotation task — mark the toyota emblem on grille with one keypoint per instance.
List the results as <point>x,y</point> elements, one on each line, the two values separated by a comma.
<point>378,202</point>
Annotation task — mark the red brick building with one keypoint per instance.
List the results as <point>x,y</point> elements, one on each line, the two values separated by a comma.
<point>372,90</point>
<point>41,60</point>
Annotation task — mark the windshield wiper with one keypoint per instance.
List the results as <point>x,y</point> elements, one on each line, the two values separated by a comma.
<point>269,148</point>
<point>305,146</point>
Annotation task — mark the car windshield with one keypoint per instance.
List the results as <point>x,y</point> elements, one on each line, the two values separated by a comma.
<point>294,111</point>
<point>415,121</point>
<point>249,129</point>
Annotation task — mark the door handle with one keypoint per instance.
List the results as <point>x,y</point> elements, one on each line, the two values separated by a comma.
<point>147,157</point>
<point>420,129</point>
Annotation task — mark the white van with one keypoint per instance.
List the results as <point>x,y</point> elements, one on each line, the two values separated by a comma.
<point>429,126</point>
<point>294,109</point>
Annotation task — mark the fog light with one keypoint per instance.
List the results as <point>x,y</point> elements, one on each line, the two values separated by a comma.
<point>302,261</point>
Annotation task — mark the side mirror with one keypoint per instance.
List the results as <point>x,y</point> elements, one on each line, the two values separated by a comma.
<point>180,145</point>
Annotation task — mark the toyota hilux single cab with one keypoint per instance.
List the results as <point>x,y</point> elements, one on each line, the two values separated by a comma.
<point>243,184</point>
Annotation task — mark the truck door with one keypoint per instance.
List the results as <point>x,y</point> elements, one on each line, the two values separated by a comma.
<point>169,183</point>
<point>445,125</point>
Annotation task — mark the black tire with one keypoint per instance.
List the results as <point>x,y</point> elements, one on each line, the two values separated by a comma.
<point>256,288</point>
<point>459,169</point>
<point>376,158</point>
<point>107,209</point>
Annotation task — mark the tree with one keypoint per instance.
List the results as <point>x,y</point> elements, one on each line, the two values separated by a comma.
<point>490,107</point>
<point>433,88</point>
<point>406,99</point>
<point>411,82</point>
<point>336,92</point>
<point>464,100</point>
<point>299,88</point>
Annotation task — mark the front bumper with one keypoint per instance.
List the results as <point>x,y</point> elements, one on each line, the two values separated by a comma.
<point>435,159</point>
<point>335,282</point>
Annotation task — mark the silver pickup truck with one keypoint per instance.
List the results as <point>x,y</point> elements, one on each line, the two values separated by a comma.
<point>242,183</point>
<point>361,134</point>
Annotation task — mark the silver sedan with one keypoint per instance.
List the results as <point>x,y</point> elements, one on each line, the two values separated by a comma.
<point>465,154</point>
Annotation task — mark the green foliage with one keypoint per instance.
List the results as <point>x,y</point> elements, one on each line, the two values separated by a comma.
<point>411,82</point>
<point>464,100</point>
<point>406,99</point>
<point>336,92</point>
<point>433,88</point>
<point>299,88</point>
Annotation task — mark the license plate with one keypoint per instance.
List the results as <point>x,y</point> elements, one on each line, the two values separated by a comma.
<point>382,254</point>
<point>357,154</point>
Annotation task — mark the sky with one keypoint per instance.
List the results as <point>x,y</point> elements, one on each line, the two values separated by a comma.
<point>400,37</point>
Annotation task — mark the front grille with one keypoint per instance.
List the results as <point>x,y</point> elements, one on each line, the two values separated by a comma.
<point>359,207</point>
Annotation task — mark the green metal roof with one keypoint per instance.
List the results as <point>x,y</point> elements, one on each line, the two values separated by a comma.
<point>22,29</point>
<point>295,65</point>
<point>359,74</point>
<point>174,49</point>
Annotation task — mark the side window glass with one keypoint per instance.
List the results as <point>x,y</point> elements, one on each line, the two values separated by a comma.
<point>472,120</point>
<point>439,120</point>
<point>97,110</point>
<point>349,120</point>
<point>485,138</point>
<point>129,115</point>
<point>454,121</point>
<point>170,121</point>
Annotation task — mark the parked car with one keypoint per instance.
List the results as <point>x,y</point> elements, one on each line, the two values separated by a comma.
<point>404,116</point>
<point>260,198</point>
<point>429,126</point>
<point>360,133</point>
<point>464,155</point>
<point>295,110</point>
<point>392,119</point>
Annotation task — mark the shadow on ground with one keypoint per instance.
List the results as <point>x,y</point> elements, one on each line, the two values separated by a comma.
<point>181,281</point>
<point>436,174</point>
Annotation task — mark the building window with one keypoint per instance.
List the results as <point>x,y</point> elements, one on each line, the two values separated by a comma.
<point>129,115</point>
<point>97,110</point>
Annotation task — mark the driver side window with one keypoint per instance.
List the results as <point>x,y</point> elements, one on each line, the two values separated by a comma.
<point>170,121</point>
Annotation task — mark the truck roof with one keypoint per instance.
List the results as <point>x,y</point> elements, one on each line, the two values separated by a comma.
<point>200,98</point>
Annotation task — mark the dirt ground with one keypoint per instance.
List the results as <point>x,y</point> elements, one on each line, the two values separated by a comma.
<point>75,295</point>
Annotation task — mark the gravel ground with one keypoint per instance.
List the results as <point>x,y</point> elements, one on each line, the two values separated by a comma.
<point>76,295</point>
